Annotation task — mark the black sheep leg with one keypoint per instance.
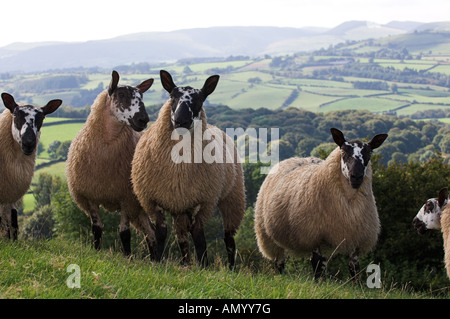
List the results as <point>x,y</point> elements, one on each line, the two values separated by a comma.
<point>198,236</point>
<point>353,264</point>
<point>230,246</point>
<point>160,234</point>
<point>318,263</point>
<point>14,224</point>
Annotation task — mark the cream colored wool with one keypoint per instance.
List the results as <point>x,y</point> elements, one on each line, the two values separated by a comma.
<point>16,168</point>
<point>306,203</point>
<point>182,187</point>
<point>16,171</point>
<point>99,165</point>
<point>445,228</point>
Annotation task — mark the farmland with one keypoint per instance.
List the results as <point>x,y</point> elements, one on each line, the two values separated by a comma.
<point>254,83</point>
<point>321,81</point>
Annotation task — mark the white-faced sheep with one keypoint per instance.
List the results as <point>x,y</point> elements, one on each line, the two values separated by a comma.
<point>435,214</point>
<point>99,160</point>
<point>19,135</point>
<point>307,204</point>
<point>189,189</point>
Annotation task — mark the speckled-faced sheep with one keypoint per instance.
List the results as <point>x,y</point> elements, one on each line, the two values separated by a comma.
<point>307,204</point>
<point>19,135</point>
<point>190,188</point>
<point>99,160</point>
<point>435,214</point>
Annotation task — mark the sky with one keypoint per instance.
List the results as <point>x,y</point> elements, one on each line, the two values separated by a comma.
<point>84,20</point>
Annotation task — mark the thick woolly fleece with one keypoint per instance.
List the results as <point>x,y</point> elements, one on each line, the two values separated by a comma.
<point>306,203</point>
<point>16,169</point>
<point>445,228</point>
<point>16,173</point>
<point>98,164</point>
<point>183,187</point>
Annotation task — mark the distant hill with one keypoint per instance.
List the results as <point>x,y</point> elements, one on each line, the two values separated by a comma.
<point>156,47</point>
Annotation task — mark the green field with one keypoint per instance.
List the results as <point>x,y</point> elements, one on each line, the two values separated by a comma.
<point>40,269</point>
<point>253,83</point>
<point>62,132</point>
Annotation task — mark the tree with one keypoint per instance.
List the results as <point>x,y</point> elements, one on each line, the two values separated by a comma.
<point>394,88</point>
<point>52,148</point>
<point>46,186</point>
<point>187,70</point>
<point>72,223</point>
<point>40,148</point>
<point>62,150</point>
<point>305,146</point>
<point>40,225</point>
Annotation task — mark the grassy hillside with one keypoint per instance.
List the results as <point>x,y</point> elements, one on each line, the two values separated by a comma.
<point>39,269</point>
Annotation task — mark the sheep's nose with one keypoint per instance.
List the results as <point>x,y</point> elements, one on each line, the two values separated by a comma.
<point>178,124</point>
<point>419,226</point>
<point>143,121</point>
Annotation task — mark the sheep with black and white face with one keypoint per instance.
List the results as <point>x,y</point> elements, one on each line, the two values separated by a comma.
<point>20,129</point>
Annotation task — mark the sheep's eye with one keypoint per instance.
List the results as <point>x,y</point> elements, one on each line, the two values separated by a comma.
<point>39,120</point>
<point>121,95</point>
<point>430,206</point>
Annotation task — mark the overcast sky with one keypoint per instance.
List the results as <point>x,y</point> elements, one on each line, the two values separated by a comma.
<point>84,20</point>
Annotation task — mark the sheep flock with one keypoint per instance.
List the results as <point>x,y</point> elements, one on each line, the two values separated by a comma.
<point>147,170</point>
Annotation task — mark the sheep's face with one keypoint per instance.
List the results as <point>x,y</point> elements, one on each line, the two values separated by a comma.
<point>187,102</point>
<point>355,156</point>
<point>27,121</point>
<point>186,105</point>
<point>128,108</point>
<point>429,216</point>
<point>127,104</point>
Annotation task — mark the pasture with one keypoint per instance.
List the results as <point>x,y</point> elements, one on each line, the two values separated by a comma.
<point>40,269</point>
<point>255,83</point>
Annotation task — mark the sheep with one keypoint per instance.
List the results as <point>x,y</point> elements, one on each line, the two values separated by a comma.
<point>435,214</point>
<point>307,204</point>
<point>20,127</point>
<point>98,163</point>
<point>190,190</point>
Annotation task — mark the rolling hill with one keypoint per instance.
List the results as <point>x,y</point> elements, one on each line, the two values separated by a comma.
<point>156,47</point>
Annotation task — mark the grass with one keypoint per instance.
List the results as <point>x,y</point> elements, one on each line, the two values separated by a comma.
<point>371,104</point>
<point>57,169</point>
<point>39,269</point>
<point>62,132</point>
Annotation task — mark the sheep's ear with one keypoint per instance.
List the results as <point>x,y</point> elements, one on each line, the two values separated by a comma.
<point>377,140</point>
<point>338,137</point>
<point>144,86</point>
<point>51,106</point>
<point>210,85</point>
<point>114,81</point>
<point>9,102</point>
<point>167,81</point>
<point>443,194</point>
